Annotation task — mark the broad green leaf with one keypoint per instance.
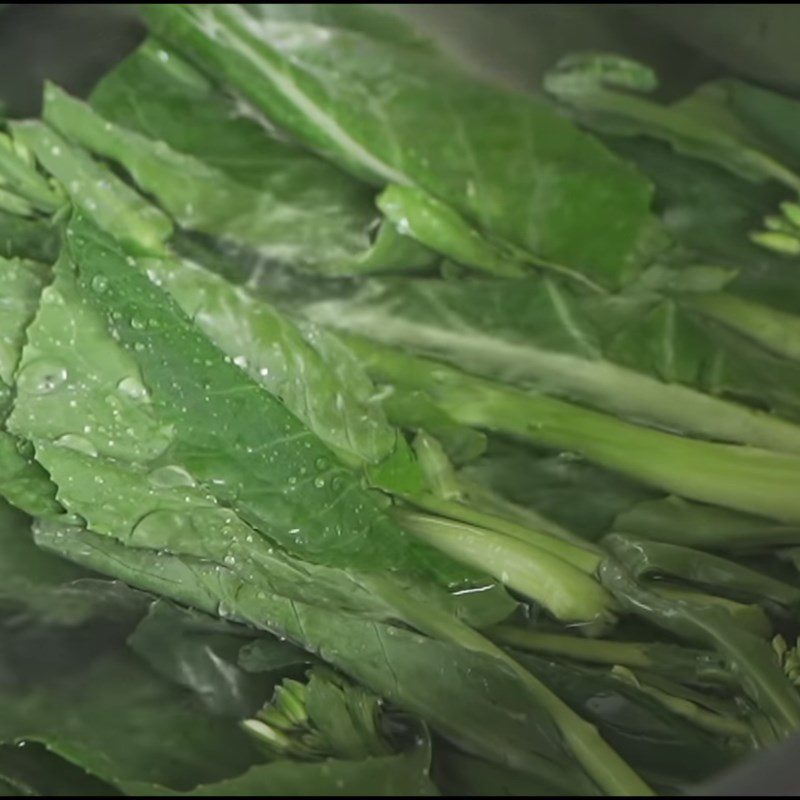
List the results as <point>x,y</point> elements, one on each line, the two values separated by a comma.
<point>202,654</point>
<point>319,381</point>
<point>237,440</point>
<point>119,722</point>
<point>270,219</point>
<point>392,114</point>
<point>234,179</point>
<point>32,770</point>
<point>464,694</point>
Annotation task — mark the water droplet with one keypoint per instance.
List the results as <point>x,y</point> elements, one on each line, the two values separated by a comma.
<point>41,377</point>
<point>132,387</point>
<point>321,463</point>
<point>99,284</point>
<point>138,324</point>
<point>240,361</point>
<point>229,560</point>
<point>337,483</point>
<point>319,482</point>
<point>55,150</point>
<point>170,475</point>
<point>163,56</point>
<point>75,442</point>
<point>263,372</point>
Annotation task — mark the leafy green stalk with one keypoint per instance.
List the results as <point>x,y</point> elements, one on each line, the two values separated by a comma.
<point>678,521</point>
<point>566,591</point>
<point>703,718</point>
<point>710,625</point>
<point>682,663</point>
<point>606,354</point>
<point>574,551</point>
<point>588,82</point>
<point>743,478</point>
<point>648,558</point>
<point>772,329</point>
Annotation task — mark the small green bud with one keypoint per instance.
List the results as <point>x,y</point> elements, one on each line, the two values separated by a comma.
<point>792,212</point>
<point>777,241</point>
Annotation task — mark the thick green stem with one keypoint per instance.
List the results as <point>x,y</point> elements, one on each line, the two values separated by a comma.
<point>707,720</point>
<point>569,594</point>
<point>646,558</point>
<point>586,558</point>
<point>774,330</point>
<point>744,478</point>
<point>596,382</point>
<point>683,663</point>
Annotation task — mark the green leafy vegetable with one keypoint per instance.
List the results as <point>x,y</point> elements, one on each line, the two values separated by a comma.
<point>366,429</point>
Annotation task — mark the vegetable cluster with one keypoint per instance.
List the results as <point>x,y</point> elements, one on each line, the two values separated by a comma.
<point>367,429</point>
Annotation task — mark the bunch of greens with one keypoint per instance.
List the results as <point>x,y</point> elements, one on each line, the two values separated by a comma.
<point>367,429</point>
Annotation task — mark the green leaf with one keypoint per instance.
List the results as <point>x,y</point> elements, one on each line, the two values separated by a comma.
<point>118,208</point>
<point>32,770</point>
<point>202,654</point>
<point>272,219</point>
<point>119,722</point>
<point>462,693</point>
<point>234,179</point>
<point>392,114</point>
<point>317,378</point>
<point>34,239</point>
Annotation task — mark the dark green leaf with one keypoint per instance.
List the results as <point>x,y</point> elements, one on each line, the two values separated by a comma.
<point>202,654</point>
